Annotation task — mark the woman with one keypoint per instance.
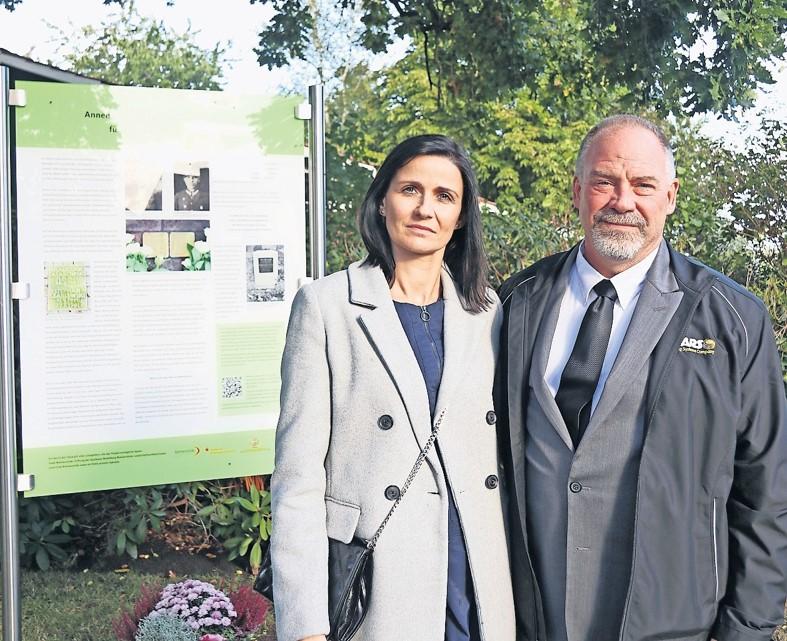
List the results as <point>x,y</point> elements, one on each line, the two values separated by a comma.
<point>374,355</point>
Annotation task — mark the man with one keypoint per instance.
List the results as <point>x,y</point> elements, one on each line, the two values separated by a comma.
<point>642,424</point>
<point>191,198</point>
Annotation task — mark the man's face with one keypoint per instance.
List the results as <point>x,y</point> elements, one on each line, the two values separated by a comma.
<point>191,182</point>
<point>624,196</point>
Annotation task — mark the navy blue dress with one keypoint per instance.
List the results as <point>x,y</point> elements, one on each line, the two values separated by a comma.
<point>424,329</point>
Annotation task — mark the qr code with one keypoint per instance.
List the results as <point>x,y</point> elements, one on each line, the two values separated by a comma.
<point>231,387</point>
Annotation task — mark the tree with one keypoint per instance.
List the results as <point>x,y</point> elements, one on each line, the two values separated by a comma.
<point>133,50</point>
<point>522,141</point>
<point>684,56</point>
<point>732,212</point>
<point>11,4</point>
<point>328,48</point>
<point>704,56</point>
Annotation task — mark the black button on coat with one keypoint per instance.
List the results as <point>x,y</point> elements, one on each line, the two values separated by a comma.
<point>392,492</point>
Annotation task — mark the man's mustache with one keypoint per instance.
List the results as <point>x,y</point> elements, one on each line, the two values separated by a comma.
<point>616,218</point>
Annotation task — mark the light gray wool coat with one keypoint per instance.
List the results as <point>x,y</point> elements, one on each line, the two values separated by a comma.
<point>346,364</point>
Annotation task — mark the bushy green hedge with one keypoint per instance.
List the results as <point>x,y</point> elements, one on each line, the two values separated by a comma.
<point>74,529</point>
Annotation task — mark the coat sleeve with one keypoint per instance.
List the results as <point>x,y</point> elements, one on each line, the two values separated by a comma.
<point>753,604</point>
<point>299,541</point>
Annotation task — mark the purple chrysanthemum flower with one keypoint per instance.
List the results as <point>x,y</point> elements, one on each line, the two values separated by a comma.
<point>199,604</point>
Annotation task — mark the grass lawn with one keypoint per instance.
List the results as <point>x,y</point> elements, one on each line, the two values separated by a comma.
<point>79,606</point>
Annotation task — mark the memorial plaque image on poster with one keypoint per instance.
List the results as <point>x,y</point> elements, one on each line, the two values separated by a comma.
<point>162,234</point>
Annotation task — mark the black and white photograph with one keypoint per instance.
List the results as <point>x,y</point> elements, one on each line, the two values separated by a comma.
<point>192,186</point>
<point>264,273</point>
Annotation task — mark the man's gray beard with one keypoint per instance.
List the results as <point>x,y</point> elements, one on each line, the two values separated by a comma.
<point>617,245</point>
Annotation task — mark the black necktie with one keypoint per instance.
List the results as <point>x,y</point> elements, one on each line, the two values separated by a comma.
<point>578,383</point>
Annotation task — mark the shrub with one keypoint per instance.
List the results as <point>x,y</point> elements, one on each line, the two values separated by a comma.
<point>251,608</point>
<point>240,519</point>
<point>47,531</point>
<point>164,628</point>
<point>125,625</point>
<point>232,513</point>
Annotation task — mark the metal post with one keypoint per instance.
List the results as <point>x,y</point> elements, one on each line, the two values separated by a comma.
<point>12,601</point>
<point>317,192</point>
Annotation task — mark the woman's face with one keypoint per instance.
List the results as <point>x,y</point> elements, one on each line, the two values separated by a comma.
<point>422,207</point>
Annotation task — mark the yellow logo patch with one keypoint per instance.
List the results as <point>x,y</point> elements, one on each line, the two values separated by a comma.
<point>704,346</point>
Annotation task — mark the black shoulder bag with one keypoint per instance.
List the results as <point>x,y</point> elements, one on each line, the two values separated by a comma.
<point>349,567</point>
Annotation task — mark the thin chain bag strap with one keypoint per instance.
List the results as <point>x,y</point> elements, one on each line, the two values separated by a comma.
<point>413,472</point>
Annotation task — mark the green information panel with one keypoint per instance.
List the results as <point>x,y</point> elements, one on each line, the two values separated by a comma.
<point>162,234</point>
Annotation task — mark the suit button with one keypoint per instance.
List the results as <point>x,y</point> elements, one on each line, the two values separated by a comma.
<point>491,417</point>
<point>385,422</point>
<point>575,487</point>
<point>491,482</point>
<point>392,492</point>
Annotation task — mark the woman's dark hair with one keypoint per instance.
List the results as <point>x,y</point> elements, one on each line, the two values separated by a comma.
<point>464,254</point>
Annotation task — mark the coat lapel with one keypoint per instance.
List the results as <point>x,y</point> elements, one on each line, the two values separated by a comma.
<point>380,322</point>
<point>541,351</point>
<point>525,309</point>
<point>515,368</point>
<point>656,306</point>
<point>459,343</point>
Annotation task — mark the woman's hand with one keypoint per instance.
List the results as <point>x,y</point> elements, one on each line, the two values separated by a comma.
<point>318,637</point>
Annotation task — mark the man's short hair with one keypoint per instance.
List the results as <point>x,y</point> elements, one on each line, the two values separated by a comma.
<point>619,121</point>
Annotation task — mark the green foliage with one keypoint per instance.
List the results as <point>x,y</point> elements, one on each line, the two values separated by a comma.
<point>164,628</point>
<point>11,4</point>
<point>709,55</point>
<point>198,259</point>
<point>60,530</point>
<point>136,256</point>
<point>326,47</point>
<point>46,530</point>
<point>133,50</point>
<point>242,522</point>
<point>732,212</point>
<point>141,510</point>
<point>287,35</point>
<point>523,147</point>
<point>347,182</point>
<point>522,141</point>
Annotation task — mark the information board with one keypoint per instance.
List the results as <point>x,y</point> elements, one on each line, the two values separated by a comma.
<point>162,235</point>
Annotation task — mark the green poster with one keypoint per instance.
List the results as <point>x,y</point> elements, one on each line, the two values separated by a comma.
<point>162,235</point>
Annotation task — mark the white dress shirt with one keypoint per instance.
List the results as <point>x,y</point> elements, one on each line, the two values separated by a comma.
<point>578,297</point>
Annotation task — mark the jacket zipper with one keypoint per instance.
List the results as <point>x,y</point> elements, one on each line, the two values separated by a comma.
<point>648,422</point>
<point>715,552</point>
<point>426,317</point>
